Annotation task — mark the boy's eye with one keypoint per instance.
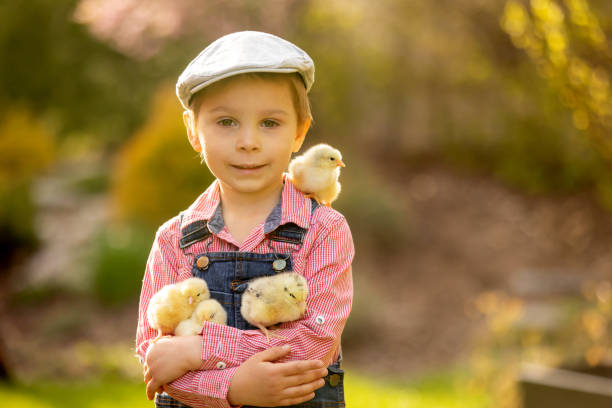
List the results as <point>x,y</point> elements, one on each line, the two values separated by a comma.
<point>226,122</point>
<point>269,123</point>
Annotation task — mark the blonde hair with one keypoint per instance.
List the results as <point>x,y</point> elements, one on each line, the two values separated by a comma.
<point>299,95</point>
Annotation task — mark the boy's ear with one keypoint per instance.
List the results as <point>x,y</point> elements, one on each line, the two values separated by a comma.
<point>192,134</point>
<point>301,135</point>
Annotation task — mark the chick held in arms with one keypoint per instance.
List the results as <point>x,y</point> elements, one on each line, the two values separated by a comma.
<point>209,310</point>
<point>270,300</point>
<point>175,303</point>
<point>316,173</point>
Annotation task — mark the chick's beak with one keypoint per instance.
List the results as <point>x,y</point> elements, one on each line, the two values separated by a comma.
<point>190,299</point>
<point>341,163</point>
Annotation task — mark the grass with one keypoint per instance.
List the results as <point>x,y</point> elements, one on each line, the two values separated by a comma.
<point>361,391</point>
<point>100,394</point>
<point>436,391</point>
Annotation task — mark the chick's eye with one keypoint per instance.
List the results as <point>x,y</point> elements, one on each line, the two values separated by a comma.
<point>226,122</point>
<point>332,158</point>
<point>292,295</point>
<point>269,123</point>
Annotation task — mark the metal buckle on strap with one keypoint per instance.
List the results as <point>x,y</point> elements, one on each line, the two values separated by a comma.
<point>192,236</point>
<point>290,233</point>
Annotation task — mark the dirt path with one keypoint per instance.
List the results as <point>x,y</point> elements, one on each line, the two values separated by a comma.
<point>469,235</point>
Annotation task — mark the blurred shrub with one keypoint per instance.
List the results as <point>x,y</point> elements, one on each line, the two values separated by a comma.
<point>157,173</point>
<point>120,259</point>
<point>26,148</point>
<point>532,156</point>
<point>571,333</point>
<point>92,184</point>
<point>378,219</point>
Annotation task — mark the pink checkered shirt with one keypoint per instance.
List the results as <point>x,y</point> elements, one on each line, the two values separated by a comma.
<point>324,260</point>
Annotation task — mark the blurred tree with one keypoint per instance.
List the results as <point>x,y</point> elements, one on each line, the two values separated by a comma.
<point>27,148</point>
<point>570,51</point>
<point>157,173</point>
<point>74,82</point>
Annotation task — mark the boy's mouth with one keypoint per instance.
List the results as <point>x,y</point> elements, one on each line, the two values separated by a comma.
<point>248,166</point>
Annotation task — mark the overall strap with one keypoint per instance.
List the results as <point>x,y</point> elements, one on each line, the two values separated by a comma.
<point>291,232</point>
<point>194,232</point>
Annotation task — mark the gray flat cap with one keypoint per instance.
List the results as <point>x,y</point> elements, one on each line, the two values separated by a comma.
<point>241,52</point>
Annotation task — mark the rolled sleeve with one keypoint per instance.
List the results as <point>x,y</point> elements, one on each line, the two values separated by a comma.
<point>201,389</point>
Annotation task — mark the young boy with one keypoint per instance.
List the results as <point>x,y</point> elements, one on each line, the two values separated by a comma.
<point>246,112</point>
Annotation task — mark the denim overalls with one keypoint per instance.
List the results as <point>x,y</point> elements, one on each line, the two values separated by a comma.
<point>227,275</point>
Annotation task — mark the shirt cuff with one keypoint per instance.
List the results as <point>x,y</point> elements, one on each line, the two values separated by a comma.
<point>219,346</point>
<point>202,389</point>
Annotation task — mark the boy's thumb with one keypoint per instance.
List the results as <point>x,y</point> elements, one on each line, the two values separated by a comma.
<point>274,353</point>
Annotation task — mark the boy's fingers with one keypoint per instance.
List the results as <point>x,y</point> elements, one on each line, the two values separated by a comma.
<point>151,389</point>
<point>299,367</point>
<point>273,353</point>
<point>305,377</point>
<point>304,389</point>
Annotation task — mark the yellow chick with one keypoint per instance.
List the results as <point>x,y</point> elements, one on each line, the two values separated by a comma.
<point>174,303</point>
<point>316,173</point>
<point>274,299</point>
<point>209,310</point>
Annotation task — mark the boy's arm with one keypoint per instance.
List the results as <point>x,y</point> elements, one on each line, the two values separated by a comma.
<point>163,268</point>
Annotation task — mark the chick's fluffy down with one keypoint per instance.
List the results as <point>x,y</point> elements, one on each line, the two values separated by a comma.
<point>316,172</point>
<point>174,303</point>
<point>274,299</point>
<point>209,310</point>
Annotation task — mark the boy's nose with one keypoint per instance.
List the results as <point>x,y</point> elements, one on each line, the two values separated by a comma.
<point>248,140</point>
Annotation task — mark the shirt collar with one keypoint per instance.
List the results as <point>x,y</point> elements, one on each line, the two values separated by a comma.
<point>293,207</point>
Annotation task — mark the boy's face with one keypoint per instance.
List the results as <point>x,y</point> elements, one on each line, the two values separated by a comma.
<point>247,130</point>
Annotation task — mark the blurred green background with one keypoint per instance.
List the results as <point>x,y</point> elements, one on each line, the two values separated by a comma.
<point>478,141</point>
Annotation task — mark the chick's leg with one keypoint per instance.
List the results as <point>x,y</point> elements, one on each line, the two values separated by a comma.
<point>268,333</point>
<point>160,333</point>
<point>264,331</point>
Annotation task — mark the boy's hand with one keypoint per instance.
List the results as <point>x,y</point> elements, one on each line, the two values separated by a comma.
<point>169,358</point>
<point>261,382</point>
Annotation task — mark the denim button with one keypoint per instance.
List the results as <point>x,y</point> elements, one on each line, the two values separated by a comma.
<point>279,264</point>
<point>202,262</point>
<point>221,365</point>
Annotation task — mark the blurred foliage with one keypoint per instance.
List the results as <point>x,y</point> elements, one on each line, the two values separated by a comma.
<point>378,220</point>
<point>574,334</point>
<point>443,81</point>
<point>78,84</point>
<point>157,173</point>
<point>579,73</point>
<point>27,148</point>
<point>120,255</point>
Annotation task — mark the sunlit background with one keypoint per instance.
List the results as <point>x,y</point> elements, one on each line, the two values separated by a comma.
<point>478,141</point>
